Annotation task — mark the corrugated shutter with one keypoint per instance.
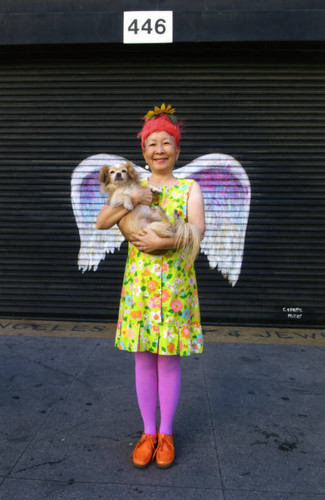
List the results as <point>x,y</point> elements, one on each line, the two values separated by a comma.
<point>265,107</point>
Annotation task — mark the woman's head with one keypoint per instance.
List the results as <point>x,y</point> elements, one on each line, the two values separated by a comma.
<point>160,120</point>
<point>160,152</point>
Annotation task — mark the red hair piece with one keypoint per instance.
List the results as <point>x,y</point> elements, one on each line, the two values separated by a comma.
<point>161,123</point>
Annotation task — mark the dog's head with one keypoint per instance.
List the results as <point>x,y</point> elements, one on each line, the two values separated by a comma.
<point>118,174</point>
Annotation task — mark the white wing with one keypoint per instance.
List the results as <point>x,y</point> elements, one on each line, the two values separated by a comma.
<point>87,201</point>
<point>226,191</point>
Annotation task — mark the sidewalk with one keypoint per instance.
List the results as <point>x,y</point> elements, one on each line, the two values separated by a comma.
<point>250,423</point>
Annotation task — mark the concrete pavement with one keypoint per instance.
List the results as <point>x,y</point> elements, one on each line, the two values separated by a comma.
<point>250,422</point>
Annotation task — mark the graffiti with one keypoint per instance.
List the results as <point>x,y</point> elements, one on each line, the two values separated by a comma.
<point>216,334</point>
<point>257,335</point>
<point>226,192</point>
<point>293,312</point>
<point>55,328</point>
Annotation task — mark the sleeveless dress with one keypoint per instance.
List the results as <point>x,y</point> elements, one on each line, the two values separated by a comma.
<point>159,308</point>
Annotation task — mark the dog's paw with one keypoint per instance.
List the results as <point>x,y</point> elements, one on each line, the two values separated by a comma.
<point>116,204</point>
<point>154,189</point>
<point>128,205</point>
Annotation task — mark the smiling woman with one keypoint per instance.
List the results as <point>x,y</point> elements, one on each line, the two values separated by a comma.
<point>159,316</point>
<point>161,153</point>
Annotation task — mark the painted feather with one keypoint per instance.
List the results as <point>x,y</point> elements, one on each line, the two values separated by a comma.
<point>226,192</point>
<point>87,201</point>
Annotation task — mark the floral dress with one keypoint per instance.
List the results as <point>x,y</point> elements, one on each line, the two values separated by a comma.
<point>159,309</point>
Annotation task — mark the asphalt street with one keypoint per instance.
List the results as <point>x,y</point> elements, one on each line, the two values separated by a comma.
<point>250,422</point>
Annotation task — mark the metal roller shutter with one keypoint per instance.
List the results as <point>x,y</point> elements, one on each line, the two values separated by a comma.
<point>264,106</point>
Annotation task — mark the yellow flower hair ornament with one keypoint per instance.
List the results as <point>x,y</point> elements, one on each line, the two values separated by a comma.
<point>161,119</point>
<point>163,109</point>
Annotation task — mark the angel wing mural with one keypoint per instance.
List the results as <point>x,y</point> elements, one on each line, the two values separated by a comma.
<point>226,191</point>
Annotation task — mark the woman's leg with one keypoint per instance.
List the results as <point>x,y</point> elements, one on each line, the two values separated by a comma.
<point>169,388</point>
<point>146,379</point>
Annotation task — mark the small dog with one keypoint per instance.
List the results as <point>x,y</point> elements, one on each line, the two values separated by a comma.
<point>119,181</point>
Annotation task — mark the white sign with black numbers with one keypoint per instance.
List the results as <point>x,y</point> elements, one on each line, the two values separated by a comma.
<point>150,26</point>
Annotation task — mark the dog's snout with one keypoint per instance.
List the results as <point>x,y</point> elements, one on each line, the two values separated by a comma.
<point>118,175</point>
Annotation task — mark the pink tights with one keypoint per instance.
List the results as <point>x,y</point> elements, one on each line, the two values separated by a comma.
<point>155,375</point>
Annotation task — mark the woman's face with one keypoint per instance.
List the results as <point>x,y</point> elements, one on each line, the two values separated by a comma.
<point>161,152</point>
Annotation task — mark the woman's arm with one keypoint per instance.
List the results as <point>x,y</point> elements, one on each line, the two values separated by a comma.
<point>195,209</point>
<point>108,216</point>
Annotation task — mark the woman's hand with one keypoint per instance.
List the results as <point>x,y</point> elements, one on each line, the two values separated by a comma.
<point>147,242</point>
<point>142,195</point>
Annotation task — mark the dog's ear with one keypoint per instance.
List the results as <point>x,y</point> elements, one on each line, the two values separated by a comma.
<point>130,170</point>
<point>104,174</point>
<point>132,173</point>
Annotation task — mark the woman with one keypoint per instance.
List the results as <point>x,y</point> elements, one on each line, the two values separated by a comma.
<point>159,317</point>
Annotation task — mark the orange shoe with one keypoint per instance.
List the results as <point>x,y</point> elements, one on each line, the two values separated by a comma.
<point>165,452</point>
<point>144,451</point>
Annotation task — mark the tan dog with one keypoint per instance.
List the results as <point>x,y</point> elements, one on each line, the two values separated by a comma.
<point>119,181</point>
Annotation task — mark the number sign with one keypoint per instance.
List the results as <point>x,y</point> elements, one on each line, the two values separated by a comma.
<point>148,27</point>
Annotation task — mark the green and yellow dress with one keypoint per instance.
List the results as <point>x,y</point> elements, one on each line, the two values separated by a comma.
<point>159,309</point>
